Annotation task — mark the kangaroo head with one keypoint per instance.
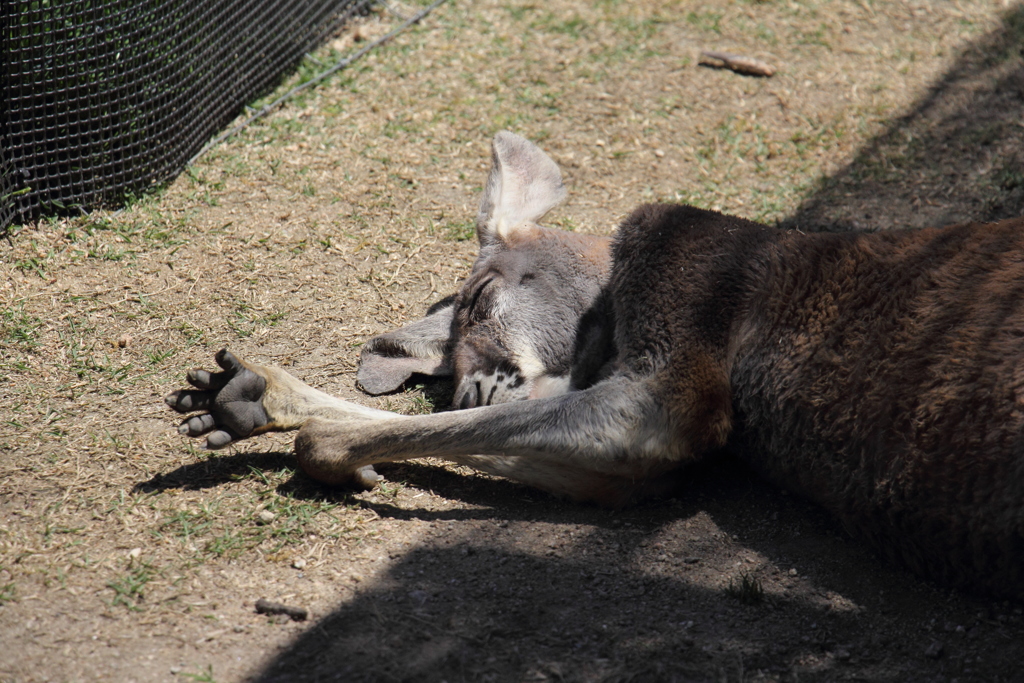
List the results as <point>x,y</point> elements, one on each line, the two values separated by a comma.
<point>524,324</point>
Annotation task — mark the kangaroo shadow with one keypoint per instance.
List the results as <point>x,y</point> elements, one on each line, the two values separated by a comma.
<point>957,156</point>
<point>640,595</point>
<point>216,471</point>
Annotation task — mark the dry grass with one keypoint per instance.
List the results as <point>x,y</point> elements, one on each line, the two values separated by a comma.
<point>125,553</point>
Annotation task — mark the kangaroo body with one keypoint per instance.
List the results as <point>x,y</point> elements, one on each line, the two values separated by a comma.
<point>880,375</point>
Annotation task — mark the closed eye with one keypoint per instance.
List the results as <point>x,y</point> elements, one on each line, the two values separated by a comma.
<point>474,315</point>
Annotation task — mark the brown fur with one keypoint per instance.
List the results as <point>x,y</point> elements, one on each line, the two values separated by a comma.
<point>881,375</point>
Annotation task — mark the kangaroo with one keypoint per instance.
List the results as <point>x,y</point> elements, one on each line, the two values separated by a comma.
<point>880,375</point>
<point>513,329</point>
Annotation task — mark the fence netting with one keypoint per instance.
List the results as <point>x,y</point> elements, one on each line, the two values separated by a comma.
<point>104,98</point>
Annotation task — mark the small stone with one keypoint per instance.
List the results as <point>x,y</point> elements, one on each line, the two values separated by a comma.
<point>659,153</point>
<point>934,650</point>
<point>299,563</point>
<point>124,340</point>
<point>134,553</point>
<point>265,517</point>
<point>843,655</point>
<point>793,571</point>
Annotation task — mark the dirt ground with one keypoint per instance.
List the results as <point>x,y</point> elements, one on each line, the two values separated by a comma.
<point>126,554</point>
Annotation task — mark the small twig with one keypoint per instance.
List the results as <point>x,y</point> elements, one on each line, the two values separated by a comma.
<point>398,270</point>
<point>433,288</point>
<point>738,63</point>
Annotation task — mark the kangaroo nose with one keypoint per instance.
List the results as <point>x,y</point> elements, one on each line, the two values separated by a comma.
<point>470,399</point>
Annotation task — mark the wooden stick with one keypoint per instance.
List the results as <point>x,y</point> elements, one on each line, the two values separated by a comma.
<point>738,63</point>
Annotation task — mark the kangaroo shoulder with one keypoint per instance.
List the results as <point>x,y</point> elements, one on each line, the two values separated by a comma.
<point>650,228</point>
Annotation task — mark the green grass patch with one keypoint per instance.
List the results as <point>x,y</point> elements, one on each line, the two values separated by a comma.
<point>128,587</point>
<point>19,329</point>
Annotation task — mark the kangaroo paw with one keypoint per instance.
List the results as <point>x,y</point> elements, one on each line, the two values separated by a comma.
<point>230,402</point>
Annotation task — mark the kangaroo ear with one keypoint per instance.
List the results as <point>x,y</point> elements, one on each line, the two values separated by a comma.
<point>524,184</point>
<point>389,359</point>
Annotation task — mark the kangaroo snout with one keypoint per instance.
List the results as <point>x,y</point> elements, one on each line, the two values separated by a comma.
<point>485,374</point>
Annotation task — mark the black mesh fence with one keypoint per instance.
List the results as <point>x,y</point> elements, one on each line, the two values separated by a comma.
<point>103,98</point>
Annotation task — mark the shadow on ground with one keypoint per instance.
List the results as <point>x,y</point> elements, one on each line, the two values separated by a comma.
<point>216,470</point>
<point>656,592</point>
<point>957,156</point>
<point>520,590</point>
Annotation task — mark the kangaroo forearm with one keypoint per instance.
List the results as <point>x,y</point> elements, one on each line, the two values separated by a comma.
<point>290,403</point>
<point>618,435</point>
